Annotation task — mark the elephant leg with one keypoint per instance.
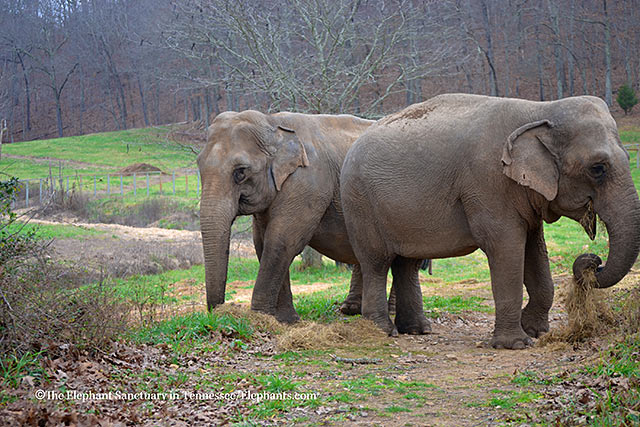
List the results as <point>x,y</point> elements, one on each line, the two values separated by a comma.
<point>539,284</point>
<point>392,299</point>
<point>374,295</point>
<point>285,312</point>
<point>282,241</point>
<point>353,304</point>
<point>410,318</point>
<point>506,262</point>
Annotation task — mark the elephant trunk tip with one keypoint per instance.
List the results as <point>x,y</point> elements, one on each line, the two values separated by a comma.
<point>585,271</point>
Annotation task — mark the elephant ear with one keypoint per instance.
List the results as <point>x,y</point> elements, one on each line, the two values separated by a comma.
<point>288,155</point>
<point>529,159</point>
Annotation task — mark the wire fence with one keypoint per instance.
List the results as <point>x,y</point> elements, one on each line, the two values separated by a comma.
<point>37,191</point>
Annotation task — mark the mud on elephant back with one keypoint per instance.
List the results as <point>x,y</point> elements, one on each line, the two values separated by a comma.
<point>497,168</point>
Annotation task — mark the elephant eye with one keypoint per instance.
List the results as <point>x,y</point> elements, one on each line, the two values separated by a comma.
<point>239,175</point>
<point>598,170</point>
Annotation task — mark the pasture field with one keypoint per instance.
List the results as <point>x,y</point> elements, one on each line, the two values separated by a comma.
<point>237,367</point>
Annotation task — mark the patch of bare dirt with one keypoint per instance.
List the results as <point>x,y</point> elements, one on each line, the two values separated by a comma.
<point>122,250</point>
<point>137,168</point>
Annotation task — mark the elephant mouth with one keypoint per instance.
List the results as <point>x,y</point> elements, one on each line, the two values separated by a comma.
<point>588,220</point>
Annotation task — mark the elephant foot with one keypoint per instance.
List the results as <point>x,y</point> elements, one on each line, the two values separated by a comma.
<point>513,341</point>
<point>351,308</point>
<point>417,325</point>
<point>384,323</point>
<point>288,317</point>
<point>535,325</point>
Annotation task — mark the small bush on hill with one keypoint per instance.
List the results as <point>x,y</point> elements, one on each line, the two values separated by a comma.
<point>626,98</point>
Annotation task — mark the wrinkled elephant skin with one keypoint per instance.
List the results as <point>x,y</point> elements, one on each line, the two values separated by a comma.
<point>284,170</point>
<point>460,172</point>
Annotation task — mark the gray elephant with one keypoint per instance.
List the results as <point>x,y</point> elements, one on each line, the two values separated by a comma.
<point>461,172</point>
<point>283,169</point>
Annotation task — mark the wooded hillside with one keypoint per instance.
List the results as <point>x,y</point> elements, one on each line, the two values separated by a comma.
<point>70,67</point>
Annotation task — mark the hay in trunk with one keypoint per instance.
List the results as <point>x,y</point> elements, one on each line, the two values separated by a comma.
<point>588,312</point>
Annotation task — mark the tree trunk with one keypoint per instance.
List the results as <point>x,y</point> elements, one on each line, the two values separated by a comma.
<point>493,79</point>
<point>608,97</point>
<point>3,128</point>
<point>540,70</point>
<point>59,115</point>
<point>143,102</point>
<point>311,258</point>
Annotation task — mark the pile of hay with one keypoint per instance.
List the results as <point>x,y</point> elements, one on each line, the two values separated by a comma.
<point>589,314</point>
<point>260,321</point>
<point>310,335</point>
<point>319,336</point>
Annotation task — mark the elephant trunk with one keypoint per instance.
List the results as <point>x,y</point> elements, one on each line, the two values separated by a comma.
<point>216,218</point>
<point>622,219</point>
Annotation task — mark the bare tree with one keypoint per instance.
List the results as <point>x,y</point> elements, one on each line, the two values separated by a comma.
<point>316,56</point>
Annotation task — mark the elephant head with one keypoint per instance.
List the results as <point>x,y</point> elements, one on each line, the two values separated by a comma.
<point>244,166</point>
<point>575,161</point>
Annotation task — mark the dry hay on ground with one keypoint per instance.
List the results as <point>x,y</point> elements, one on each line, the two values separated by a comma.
<point>139,168</point>
<point>589,312</point>
<point>310,335</point>
<point>318,336</point>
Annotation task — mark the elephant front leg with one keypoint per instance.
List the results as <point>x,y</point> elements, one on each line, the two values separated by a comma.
<point>506,263</point>
<point>280,242</point>
<point>285,312</point>
<point>539,284</point>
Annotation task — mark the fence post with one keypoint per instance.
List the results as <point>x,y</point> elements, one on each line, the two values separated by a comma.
<point>67,184</point>
<point>26,197</point>
<point>121,186</point>
<point>135,191</point>
<point>108,185</point>
<point>160,181</point>
<point>186,183</point>
<point>173,180</point>
<point>95,190</point>
<point>40,194</point>
<point>147,184</point>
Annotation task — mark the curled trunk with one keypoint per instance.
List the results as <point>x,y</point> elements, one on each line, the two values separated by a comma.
<point>622,219</point>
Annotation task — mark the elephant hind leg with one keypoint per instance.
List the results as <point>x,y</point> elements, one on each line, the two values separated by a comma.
<point>410,317</point>
<point>374,296</point>
<point>353,304</point>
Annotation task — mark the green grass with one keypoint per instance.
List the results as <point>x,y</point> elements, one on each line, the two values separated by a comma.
<point>455,304</point>
<point>114,149</point>
<point>29,169</point>
<point>508,399</point>
<point>52,231</point>
<point>193,327</point>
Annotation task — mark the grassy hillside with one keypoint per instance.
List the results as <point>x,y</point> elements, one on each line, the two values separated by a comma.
<point>95,153</point>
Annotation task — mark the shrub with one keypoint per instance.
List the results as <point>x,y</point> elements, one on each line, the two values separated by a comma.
<point>626,98</point>
<point>40,304</point>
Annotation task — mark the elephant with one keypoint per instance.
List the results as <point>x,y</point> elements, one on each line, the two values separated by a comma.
<point>460,172</point>
<point>283,169</point>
